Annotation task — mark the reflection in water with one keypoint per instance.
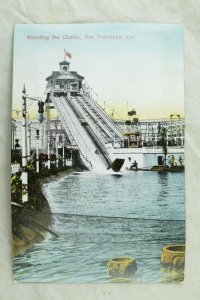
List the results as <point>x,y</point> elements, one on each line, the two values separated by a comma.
<point>100,217</point>
<point>163,188</point>
<point>172,275</point>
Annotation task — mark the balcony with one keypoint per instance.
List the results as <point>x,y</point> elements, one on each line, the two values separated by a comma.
<point>63,89</point>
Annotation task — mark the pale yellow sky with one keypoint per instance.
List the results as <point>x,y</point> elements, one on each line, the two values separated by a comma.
<point>147,71</point>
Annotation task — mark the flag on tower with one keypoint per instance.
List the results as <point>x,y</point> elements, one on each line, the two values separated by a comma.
<point>68,54</point>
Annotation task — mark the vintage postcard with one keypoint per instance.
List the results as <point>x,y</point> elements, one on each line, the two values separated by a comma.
<point>97,158</point>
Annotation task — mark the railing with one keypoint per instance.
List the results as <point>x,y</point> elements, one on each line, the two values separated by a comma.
<point>58,88</point>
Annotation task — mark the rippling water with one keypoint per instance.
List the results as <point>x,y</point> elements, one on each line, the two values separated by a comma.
<point>99,217</point>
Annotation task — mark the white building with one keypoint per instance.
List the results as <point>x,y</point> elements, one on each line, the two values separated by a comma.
<point>57,134</point>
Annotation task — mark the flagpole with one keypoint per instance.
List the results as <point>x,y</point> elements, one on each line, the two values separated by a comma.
<point>64,55</point>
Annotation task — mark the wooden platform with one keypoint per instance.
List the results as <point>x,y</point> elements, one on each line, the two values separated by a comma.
<point>161,169</point>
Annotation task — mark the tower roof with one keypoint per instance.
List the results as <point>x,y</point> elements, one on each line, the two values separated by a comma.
<point>57,74</point>
<point>77,75</point>
<point>53,75</point>
<point>64,62</point>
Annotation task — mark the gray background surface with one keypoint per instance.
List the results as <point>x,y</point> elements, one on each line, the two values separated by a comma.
<point>186,12</point>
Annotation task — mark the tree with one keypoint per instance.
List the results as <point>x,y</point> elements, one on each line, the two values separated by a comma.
<point>164,143</point>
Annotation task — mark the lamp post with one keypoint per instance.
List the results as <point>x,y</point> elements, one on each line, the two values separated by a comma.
<point>48,150</point>
<point>37,150</point>
<point>56,142</point>
<point>24,149</point>
<point>48,135</point>
<point>28,141</point>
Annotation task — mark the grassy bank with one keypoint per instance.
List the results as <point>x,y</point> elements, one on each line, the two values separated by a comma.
<point>32,220</point>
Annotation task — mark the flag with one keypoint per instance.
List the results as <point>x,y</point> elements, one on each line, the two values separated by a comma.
<point>68,54</point>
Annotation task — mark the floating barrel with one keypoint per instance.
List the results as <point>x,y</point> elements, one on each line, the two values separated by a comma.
<point>121,266</point>
<point>173,256</point>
